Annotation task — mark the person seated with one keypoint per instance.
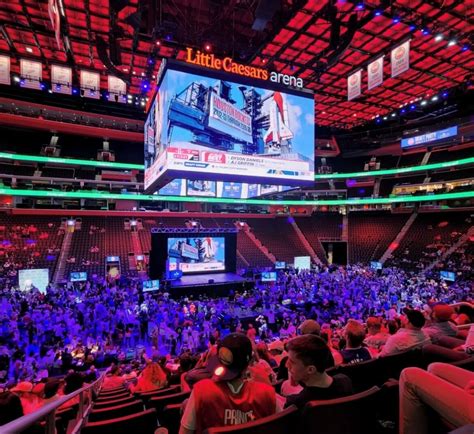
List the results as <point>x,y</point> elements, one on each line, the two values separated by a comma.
<point>151,378</point>
<point>227,398</point>
<point>29,400</point>
<point>113,379</point>
<point>375,338</point>
<point>444,388</point>
<point>10,407</point>
<point>354,352</point>
<point>308,358</point>
<point>441,324</point>
<point>410,336</point>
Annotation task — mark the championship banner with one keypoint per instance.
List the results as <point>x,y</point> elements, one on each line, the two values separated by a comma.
<point>400,58</point>
<point>90,84</point>
<point>61,79</point>
<point>117,89</point>
<point>31,73</point>
<point>55,17</point>
<point>375,73</point>
<point>353,85</point>
<point>5,70</point>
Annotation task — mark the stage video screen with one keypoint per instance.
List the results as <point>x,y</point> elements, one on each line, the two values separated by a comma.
<point>33,278</point>
<point>198,255</point>
<point>199,126</point>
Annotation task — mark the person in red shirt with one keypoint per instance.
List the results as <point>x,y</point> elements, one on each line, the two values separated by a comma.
<point>228,398</point>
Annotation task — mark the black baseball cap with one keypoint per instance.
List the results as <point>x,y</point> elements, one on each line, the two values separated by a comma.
<point>234,353</point>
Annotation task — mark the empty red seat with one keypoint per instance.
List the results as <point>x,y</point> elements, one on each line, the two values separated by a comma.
<point>144,422</point>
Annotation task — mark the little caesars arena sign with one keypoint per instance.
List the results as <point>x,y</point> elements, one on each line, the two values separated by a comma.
<point>228,65</point>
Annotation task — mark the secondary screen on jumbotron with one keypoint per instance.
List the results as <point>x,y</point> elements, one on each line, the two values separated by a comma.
<point>198,254</point>
<point>202,127</point>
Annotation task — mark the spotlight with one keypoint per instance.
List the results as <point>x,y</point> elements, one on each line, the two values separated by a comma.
<point>16,79</point>
<point>435,98</point>
<point>50,91</point>
<point>413,107</point>
<point>58,87</point>
<point>42,86</point>
<point>445,94</point>
<point>412,27</point>
<point>360,5</point>
<point>452,41</point>
<point>74,91</point>
<point>393,115</point>
<point>378,12</point>
<point>439,37</point>
<point>207,47</point>
<point>158,43</point>
<point>378,120</point>
<point>465,47</point>
<point>396,20</point>
<point>403,111</point>
<point>150,62</point>
<point>423,102</point>
<point>385,118</point>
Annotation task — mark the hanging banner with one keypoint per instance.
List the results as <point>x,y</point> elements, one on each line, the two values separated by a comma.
<point>5,70</point>
<point>55,17</point>
<point>90,84</point>
<point>61,79</point>
<point>117,89</point>
<point>375,73</point>
<point>353,85</point>
<point>31,73</point>
<point>400,58</point>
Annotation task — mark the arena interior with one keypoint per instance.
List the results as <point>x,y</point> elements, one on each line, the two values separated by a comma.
<point>242,216</point>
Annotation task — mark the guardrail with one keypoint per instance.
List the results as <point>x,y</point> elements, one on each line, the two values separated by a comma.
<point>48,411</point>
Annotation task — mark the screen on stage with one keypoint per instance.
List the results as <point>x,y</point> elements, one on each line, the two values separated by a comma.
<point>302,262</point>
<point>78,276</point>
<point>198,255</point>
<point>151,285</point>
<point>33,278</point>
<point>447,275</point>
<point>178,252</point>
<point>269,276</point>
<point>280,265</point>
<point>204,124</point>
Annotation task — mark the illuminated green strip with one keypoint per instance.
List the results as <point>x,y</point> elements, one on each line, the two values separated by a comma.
<point>397,171</point>
<point>56,160</point>
<point>113,165</point>
<point>156,198</point>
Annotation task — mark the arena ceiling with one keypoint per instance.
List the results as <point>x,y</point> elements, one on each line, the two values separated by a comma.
<point>320,41</point>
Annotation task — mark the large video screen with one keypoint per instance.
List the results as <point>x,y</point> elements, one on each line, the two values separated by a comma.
<point>33,278</point>
<point>198,255</point>
<point>201,127</point>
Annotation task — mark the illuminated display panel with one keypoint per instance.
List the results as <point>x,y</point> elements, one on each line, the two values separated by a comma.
<point>214,126</point>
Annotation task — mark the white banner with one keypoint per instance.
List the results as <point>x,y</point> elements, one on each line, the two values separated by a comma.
<point>375,73</point>
<point>61,79</point>
<point>117,89</point>
<point>400,58</point>
<point>31,73</point>
<point>90,84</point>
<point>5,70</point>
<point>353,85</point>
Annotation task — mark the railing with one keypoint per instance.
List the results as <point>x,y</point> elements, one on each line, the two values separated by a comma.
<point>48,412</point>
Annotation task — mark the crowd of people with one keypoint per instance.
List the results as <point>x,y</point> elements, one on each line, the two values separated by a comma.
<point>144,339</point>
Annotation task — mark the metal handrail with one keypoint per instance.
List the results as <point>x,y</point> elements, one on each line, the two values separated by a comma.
<point>48,411</point>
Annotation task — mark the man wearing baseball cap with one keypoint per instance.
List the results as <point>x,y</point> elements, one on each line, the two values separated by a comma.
<point>409,337</point>
<point>228,398</point>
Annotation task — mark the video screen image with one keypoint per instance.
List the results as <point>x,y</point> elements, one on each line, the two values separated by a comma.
<point>199,254</point>
<point>78,276</point>
<point>33,278</point>
<point>269,276</point>
<point>200,124</point>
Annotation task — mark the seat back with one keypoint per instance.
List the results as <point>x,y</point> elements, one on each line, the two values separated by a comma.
<point>393,365</point>
<point>111,397</point>
<point>146,396</point>
<point>279,423</point>
<point>113,402</point>
<point>143,423</point>
<point>355,414</point>
<point>170,418</point>
<point>160,402</point>
<point>116,411</point>
<point>364,375</point>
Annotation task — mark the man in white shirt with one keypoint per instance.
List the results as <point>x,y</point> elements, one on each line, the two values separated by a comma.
<point>410,336</point>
